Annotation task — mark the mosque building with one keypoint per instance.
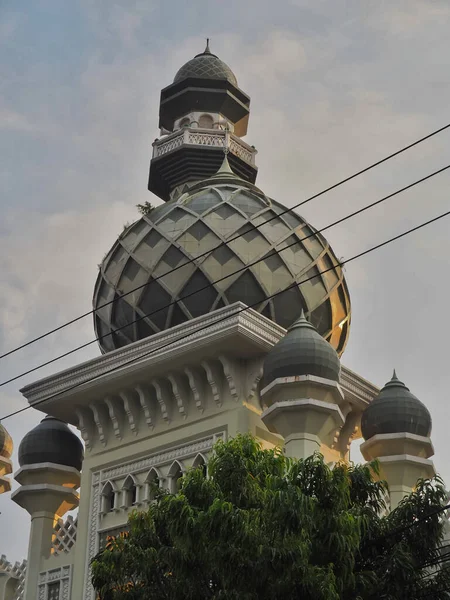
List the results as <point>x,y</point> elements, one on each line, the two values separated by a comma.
<point>218,312</point>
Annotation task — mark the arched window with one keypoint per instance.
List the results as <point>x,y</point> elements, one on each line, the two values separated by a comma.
<point>206,122</point>
<point>185,122</point>
<point>153,482</point>
<point>129,491</point>
<point>108,498</point>
<point>175,474</point>
<point>200,463</point>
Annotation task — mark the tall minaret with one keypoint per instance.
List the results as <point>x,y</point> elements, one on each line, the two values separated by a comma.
<point>200,113</point>
<point>397,428</point>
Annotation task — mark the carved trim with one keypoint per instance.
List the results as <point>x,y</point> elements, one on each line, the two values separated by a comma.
<point>145,464</point>
<point>161,396</point>
<point>229,369</point>
<point>85,426</point>
<point>131,411</point>
<point>177,390</point>
<point>156,345</point>
<point>98,410</point>
<point>196,385</point>
<point>114,415</point>
<point>254,374</point>
<point>63,575</point>
<point>144,400</point>
<point>213,377</point>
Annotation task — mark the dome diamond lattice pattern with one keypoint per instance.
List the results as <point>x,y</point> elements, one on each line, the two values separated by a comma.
<point>178,231</point>
<point>206,66</point>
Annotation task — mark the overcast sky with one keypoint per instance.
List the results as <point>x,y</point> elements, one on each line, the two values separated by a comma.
<point>335,85</point>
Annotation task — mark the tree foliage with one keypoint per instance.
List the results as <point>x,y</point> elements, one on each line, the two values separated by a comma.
<point>146,208</point>
<point>262,526</point>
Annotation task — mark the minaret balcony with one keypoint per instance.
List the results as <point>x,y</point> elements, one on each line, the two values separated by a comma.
<point>189,136</point>
<point>192,154</point>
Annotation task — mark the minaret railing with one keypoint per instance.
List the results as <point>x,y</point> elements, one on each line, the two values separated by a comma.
<point>198,137</point>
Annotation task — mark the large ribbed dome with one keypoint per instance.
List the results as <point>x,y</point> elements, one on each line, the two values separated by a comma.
<point>206,66</point>
<point>395,410</point>
<point>214,211</point>
<point>51,441</point>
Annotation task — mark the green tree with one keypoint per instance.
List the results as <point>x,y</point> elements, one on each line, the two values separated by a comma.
<point>265,527</point>
<point>145,208</point>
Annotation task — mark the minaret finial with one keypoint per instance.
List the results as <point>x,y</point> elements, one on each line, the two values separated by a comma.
<point>207,50</point>
<point>225,166</point>
<point>394,376</point>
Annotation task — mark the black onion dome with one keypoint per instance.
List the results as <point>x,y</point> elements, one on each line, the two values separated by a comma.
<point>238,225</point>
<point>302,351</point>
<point>395,410</point>
<point>6,443</point>
<point>51,441</point>
<point>206,66</point>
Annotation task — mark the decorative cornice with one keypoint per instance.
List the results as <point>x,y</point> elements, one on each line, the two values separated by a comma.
<point>95,378</point>
<point>152,349</point>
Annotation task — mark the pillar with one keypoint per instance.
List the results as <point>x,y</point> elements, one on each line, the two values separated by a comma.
<point>404,458</point>
<point>306,410</point>
<point>47,492</point>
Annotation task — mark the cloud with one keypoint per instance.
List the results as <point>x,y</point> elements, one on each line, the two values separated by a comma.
<point>334,87</point>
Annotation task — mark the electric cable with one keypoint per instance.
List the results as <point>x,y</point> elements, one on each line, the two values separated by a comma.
<point>238,311</point>
<point>287,210</point>
<point>266,256</point>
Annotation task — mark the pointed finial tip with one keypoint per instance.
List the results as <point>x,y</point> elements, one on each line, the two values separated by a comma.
<point>207,49</point>
<point>225,166</point>
<point>302,314</point>
<point>394,376</point>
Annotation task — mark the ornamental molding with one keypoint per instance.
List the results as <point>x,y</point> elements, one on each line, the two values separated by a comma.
<point>220,323</point>
<point>63,575</point>
<point>145,464</point>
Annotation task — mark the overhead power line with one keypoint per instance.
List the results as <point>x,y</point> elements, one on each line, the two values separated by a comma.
<point>287,210</point>
<point>238,311</point>
<point>272,253</point>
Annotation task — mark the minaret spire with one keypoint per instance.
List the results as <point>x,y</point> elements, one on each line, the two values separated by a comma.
<point>207,49</point>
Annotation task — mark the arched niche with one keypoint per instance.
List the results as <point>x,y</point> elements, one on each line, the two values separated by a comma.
<point>129,492</point>
<point>109,497</point>
<point>175,474</point>
<point>201,463</point>
<point>153,481</point>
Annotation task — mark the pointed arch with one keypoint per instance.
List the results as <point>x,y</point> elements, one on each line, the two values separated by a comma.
<point>129,491</point>
<point>175,474</point>
<point>108,494</point>
<point>153,481</point>
<point>200,462</point>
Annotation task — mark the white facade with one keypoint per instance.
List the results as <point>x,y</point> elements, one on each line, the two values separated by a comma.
<point>153,410</point>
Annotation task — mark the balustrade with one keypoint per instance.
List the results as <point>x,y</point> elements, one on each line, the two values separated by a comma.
<point>196,137</point>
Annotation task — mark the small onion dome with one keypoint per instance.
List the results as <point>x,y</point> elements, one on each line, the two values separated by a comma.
<point>302,351</point>
<point>206,66</point>
<point>6,443</point>
<point>395,410</point>
<point>51,441</point>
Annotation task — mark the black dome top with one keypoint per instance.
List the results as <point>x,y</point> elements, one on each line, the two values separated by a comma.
<point>302,351</point>
<point>206,66</point>
<point>395,410</point>
<point>6,444</point>
<point>51,441</point>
